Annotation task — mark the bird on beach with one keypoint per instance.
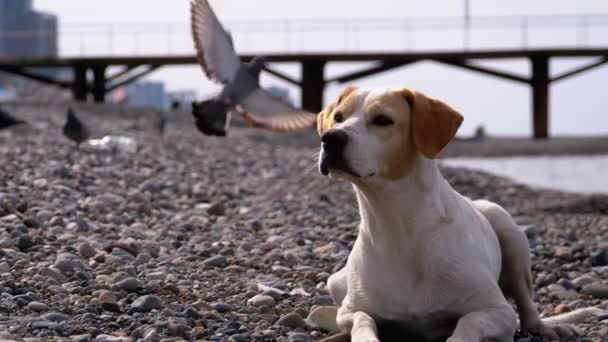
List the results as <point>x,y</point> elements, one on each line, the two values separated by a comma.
<point>241,82</point>
<point>7,120</point>
<point>74,129</point>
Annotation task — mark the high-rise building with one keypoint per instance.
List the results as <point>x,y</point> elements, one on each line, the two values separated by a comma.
<point>25,32</point>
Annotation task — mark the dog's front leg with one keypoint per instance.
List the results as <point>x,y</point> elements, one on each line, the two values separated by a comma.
<point>496,324</point>
<point>361,326</point>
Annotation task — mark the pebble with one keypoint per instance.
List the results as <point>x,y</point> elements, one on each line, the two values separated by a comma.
<point>259,300</point>
<point>4,267</point>
<point>55,317</point>
<point>597,290</point>
<point>222,307</point>
<point>37,306</point>
<point>323,317</point>
<point>216,261</point>
<point>299,337</point>
<point>129,284</point>
<point>217,209</point>
<point>563,252</point>
<point>86,250</point>
<point>292,321</point>
<point>583,280</point>
<point>81,338</point>
<point>600,257</point>
<point>146,303</point>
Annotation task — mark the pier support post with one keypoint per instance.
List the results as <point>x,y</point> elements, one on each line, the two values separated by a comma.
<point>313,84</point>
<point>540,96</point>
<point>99,83</point>
<point>79,87</point>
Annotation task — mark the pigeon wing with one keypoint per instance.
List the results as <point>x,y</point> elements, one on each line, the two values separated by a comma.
<point>213,44</point>
<point>263,110</point>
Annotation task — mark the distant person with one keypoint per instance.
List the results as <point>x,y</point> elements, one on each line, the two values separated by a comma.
<point>480,133</point>
<point>175,105</point>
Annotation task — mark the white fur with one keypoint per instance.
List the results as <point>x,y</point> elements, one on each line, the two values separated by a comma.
<point>426,255</point>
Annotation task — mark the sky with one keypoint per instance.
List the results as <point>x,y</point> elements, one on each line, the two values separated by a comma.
<point>578,105</point>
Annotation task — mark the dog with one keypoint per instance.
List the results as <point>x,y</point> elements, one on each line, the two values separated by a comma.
<point>426,259</point>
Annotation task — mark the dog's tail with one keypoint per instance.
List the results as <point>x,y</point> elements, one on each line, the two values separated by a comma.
<point>576,316</point>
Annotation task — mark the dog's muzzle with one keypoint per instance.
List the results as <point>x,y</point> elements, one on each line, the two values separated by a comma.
<point>334,143</point>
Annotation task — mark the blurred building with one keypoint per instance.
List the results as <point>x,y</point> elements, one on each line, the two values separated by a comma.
<point>147,94</point>
<point>280,93</point>
<point>25,32</point>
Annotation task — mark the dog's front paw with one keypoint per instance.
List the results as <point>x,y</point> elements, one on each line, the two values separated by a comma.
<point>557,332</point>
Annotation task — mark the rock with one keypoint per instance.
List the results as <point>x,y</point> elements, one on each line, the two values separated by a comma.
<point>292,321</point>
<point>81,338</point>
<point>175,328</point>
<point>323,317</point>
<point>222,307</point>
<point>110,338</point>
<point>4,267</point>
<point>55,317</point>
<point>564,252</point>
<point>151,335</point>
<point>37,306</point>
<point>32,222</point>
<point>239,338</point>
<point>67,263</point>
<point>600,257</point>
<point>583,280</point>
<point>217,209</point>
<point>561,308</point>
<point>129,284</point>
<point>566,284</point>
<point>42,324</point>
<point>111,307</point>
<point>260,300</point>
<point>86,250</point>
<point>299,337</point>
<point>146,303</point>
<point>323,301</point>
<point>216,261</point>
<point>597,290</point>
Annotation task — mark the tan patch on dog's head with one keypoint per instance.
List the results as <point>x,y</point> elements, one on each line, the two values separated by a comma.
<point>325,119</point>
<point>434,123</point>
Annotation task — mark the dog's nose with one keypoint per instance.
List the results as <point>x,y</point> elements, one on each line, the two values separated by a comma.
<point>334,140</point>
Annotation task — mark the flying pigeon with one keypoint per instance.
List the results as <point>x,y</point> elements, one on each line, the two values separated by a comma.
<point>242,91</point>
<point>7,120</point>
<point>74,129</point>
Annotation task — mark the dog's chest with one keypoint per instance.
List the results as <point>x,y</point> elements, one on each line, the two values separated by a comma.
<point>409,285</point>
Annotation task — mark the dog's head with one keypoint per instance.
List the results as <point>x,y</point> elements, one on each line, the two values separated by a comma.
<point>379,133</point>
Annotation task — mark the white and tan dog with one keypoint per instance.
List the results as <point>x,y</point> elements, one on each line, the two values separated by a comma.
<point>426,258</point>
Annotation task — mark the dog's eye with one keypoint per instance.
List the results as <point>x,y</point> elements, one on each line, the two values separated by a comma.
<point>338,117</point>
<point>382,120</point>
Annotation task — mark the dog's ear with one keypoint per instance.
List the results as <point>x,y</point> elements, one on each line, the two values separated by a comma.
<point>434,123</point>
<point>324,118</point>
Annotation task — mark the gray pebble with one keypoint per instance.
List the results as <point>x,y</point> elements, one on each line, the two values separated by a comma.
<point>129,284</point>
<point>216,261</point>
<point>146,303</point>
<point>222,307</point>
<point>260,300</point>
<point>86,250</point>
<point>299,337</point>
<point>55,317</point>
<point>37,306</point>
<point>596,290</point>
<point>292,321</point>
